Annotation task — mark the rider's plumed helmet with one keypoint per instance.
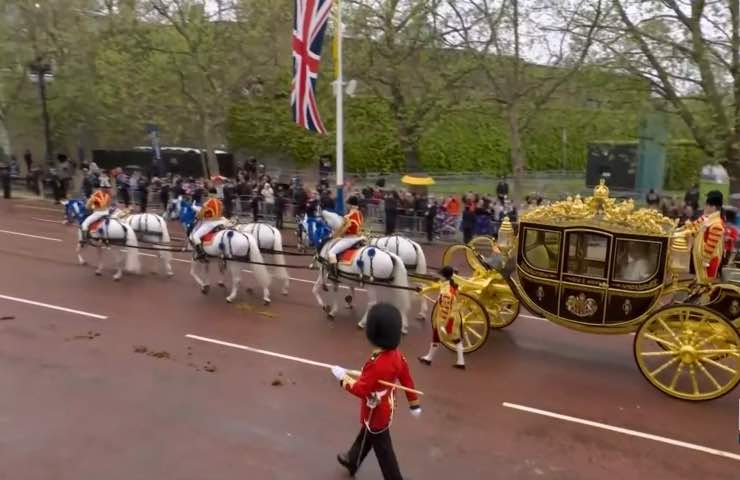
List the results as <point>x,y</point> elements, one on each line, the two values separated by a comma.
<point>98,200</point>
<point>212,208</point>
<point>383,327</point>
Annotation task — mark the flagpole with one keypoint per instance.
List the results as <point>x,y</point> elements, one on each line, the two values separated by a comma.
<point>340,112</point>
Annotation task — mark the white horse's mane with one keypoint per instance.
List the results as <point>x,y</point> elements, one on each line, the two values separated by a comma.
<point>334,220</point>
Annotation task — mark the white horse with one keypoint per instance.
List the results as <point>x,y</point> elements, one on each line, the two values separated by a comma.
<point>269,238</point>
<point>115,233</point>
<point>412,256</point>
<point>368,263</point>
<point>410,253</point>
<point>152,229</point>
<point>233,248</point>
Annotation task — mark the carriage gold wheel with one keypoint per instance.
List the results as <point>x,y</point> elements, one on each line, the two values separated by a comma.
<point>689,352</point>
<point>471,319</point>
<point>503,311</point>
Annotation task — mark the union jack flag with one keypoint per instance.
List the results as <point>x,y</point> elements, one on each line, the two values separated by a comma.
<point>309,25</point>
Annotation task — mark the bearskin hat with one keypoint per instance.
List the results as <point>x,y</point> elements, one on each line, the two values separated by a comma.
<point>383,327</point>
<point>353,201</point>
<point>447,272</point>
<point>714,198</point>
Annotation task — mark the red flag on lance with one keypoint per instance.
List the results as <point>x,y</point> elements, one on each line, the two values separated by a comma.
<point>309,25</point>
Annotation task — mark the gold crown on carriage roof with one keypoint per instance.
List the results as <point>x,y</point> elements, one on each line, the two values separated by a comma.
<point>604,212</point>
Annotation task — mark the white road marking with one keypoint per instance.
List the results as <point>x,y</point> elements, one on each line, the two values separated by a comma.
<point>48,209</point>
<point>53,307</point>
<point>9,232</point>
<point>625,431</point>
<point>47,220</point>
<point>259,350</point>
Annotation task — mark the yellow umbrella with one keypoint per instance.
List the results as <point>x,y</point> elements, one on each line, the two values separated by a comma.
<point>417,181</point>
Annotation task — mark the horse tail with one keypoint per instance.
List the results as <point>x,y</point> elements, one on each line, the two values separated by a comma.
<point>277,245</point>
<point>260,271</point>
<point>400,279</point>
<point>133,264</point>
<point>421,259</point>
<point>164,238</point>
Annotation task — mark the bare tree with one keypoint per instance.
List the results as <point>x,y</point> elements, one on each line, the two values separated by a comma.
<point>689,52</point>
<point>525,52</point>
<point>396,46</point>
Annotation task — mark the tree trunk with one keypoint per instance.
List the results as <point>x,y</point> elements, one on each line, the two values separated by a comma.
<point>733,165</point>
<point>518,156</point>
<point>210,163</point>
<point>410,150</point>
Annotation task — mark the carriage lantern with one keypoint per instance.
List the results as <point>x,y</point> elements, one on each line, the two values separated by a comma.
<point>680,257</point>
<point>505,235</point>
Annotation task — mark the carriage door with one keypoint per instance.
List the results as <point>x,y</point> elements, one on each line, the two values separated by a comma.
<point>585,271</point>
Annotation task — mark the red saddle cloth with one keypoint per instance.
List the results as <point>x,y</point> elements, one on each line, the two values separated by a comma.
<point>347,255</point>
<point>208,237</point>
<point>96,225</point>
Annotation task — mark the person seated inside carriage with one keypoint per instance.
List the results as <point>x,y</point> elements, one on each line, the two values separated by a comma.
<point>210,218</point>
<point>350,231</point>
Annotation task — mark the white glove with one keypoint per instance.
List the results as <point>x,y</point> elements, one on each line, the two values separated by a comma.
<point>338,372</point>
<point>416,412</point>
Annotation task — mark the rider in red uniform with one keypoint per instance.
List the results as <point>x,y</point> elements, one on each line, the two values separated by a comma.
<point>350,231</point>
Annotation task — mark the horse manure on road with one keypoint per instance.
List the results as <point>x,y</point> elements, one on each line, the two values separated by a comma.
<point>87,336</point>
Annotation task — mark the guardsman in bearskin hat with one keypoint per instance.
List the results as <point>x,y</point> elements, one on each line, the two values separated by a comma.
<point>350,231</point>
<point>388,364</point>
<point>210,217</point>
<point>99,204</point>
<point>708,232</point>
<point>446,319</point>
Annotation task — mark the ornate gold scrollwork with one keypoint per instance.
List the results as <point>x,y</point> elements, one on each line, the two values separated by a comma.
<point>600,209</point>
<point>581,305</point>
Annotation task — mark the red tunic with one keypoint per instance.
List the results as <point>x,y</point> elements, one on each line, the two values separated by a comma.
<point>387,365</point>
<point>355,223</point>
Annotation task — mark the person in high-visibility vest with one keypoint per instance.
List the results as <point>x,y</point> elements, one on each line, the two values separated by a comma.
<point>446,319</point>
<point>350,231</point>
<point>708,232</point>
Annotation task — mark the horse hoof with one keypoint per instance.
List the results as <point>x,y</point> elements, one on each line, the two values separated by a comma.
<point>421,317</point>
<point>284,292</point>
<point>170,274</point>
<point>98,273</point>
<point>361,326</point>
<point>405,330</point>
<point>266,302</point>
<point>205,289</point>
<point>229,299</point>
<point>221,284</point>
<point>116,278</point>
<point>81,261</point>
<point>330,316</point>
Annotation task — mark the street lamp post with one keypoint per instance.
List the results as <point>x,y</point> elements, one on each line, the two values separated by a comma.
<point>39,71</point>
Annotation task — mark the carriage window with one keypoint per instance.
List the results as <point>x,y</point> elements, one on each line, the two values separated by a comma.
<point>587,254</point>
<point>636,261</point>
<point>542,249</point>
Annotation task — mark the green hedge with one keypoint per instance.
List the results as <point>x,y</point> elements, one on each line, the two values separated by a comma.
<point>470,139</point>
